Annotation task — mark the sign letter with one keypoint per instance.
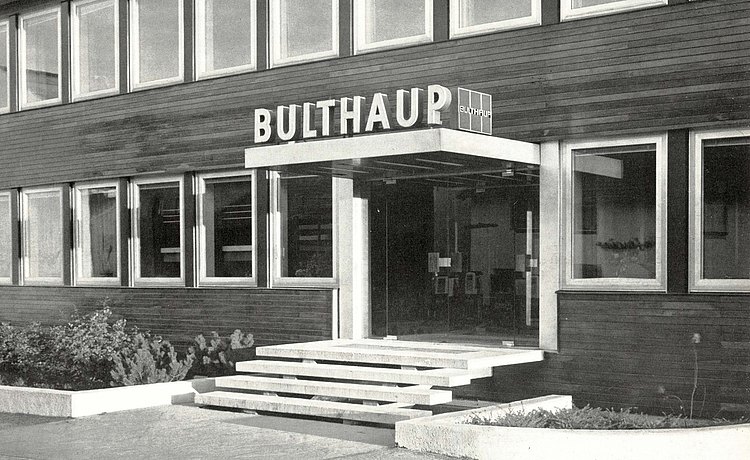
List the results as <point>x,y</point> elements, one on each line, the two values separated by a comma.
<point>415,114</point>
<point>287,126</point>
<point>263,130</point>
<point>326,108</point>
<point>308,120</point>
<point>379,113</point>
<point>351,116</point>
<point>439,100</point>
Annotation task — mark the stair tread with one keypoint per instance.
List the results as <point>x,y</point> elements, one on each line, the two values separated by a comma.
<point>387,414</point>
<point>409,394</point>
<point>443,377</point>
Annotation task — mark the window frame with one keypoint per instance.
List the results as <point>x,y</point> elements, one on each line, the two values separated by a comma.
<point>204,280</point>
<point>275,216</point>
<point>360,27</point>
<point>75,63</point>
<point>695,215</point>
<point>79,280</point>
<point>135,201</point>
<point>200,44</point>
<point>5,26</point>
<point>456,31</point>
<point>22,81</point>
<point>45,280</point>
<point>568,13</point>
<point>134,49</point>
<point>274,42</point>
<point>659,282</point>
<point>9,279</point>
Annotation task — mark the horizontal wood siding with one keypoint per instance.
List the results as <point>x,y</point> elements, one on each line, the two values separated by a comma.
<point>672,67</point>
<point>635,350</point>
<point>272,316</point>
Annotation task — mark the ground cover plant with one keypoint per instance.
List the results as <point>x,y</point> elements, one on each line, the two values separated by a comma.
<point>95,351</point>
<point>592,418</point>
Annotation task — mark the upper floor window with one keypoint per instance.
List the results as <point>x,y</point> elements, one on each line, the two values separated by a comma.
<point>574,9</point>
<point>96,237</point>
<point>304,234</point>
<point>156,42</point>
<point>39,58</point>
<point>94,41</point>
<point>470,17</point>
<point>720,217</point>
<point>43,222</point>
<point>4,63</point>
<point>386,23</point>
<point>303,30</point>
<point>6,239</point>
<point>157,231</point>
<point>615,214</point>
<point>225,39</point>
<point>226,224</point>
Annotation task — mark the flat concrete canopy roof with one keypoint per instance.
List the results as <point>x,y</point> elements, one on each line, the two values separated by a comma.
<point>428,153</point>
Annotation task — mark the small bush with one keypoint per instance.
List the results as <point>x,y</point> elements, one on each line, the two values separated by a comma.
<point>589,418</point>
<point>216,357</point>
<point>148,359</point>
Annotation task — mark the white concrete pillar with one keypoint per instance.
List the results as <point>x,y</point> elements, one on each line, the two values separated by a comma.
<point>549,243</point>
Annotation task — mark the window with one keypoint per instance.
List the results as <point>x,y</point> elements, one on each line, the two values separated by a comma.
<point>156,42</point>
<point>43,235</point>
<point>615,215</point>
<point>39,51</point>
<point>4,63</point>
<point>157,231</point>
<point>470,17</point>
<point>6,239</point>
<point>225,36</point>
<point>720,203</point>
<point>303,30</point>
<point>574,9</point>
<point>95,56</point>
<point>226,213</point>
<point>97,255</point>
<point>304,230</point>
<point>386,23</point>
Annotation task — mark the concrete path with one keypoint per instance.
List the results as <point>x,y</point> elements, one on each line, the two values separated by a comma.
<point>189,432</point>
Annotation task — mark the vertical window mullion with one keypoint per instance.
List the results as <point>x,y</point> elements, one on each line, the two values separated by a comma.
<point>15,231</point>
<point>13,48</point>
<point>65,50</point>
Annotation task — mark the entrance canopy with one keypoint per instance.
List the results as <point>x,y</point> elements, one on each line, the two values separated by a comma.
<point>400,155</point>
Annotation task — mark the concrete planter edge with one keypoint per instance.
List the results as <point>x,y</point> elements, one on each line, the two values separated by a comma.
<point>65,403</point>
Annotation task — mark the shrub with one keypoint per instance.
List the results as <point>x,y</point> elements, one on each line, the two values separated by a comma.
<point>148,359</point>
<point>216,357</point>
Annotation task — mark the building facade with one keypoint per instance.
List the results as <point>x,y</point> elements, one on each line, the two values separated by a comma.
<point>290,168</point>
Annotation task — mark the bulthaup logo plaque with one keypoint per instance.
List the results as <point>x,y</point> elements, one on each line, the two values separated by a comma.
<point>474,111</point>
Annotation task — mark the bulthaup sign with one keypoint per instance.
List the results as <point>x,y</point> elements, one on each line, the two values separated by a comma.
<point>435,106</point>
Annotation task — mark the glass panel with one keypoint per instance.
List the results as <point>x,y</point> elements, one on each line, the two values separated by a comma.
<point>3,66</point>
<point>97,48</point>
<point>614,212</point>
<point>43,242</point>
<point>306,206</point>
<point>228,33</point>
<point>159,219</point>
<point>228,227</point>
<point>477,12</point>
<point>726,209</point>
<point>158,40</point>
<point>41,58</point>
<point>5,237</point>
<point>98,233</point>
<point>393,19</point>
<point>306,27</point>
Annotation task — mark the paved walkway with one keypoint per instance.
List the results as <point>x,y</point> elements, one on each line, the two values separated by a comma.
<point>189,432</point>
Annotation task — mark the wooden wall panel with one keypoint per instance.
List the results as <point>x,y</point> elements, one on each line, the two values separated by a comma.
<point>675,67</point>
<point>635,350</point>
<point>272,316</point>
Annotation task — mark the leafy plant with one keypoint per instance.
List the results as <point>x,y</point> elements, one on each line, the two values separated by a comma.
<point>215,356</point>
<point>148,359</point>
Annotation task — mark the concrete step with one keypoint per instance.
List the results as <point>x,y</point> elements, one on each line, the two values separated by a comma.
<point>392,352</point>
<point>408,395</point>
<point>387,414</point>
<point>440,377</point>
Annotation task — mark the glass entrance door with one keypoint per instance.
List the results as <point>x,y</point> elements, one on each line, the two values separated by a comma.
<point>453,262</point>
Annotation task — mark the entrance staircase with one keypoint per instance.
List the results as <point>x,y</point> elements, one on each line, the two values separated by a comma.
<point>369,380</point>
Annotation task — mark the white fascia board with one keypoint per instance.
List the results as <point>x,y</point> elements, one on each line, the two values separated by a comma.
<point>390,144</point>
